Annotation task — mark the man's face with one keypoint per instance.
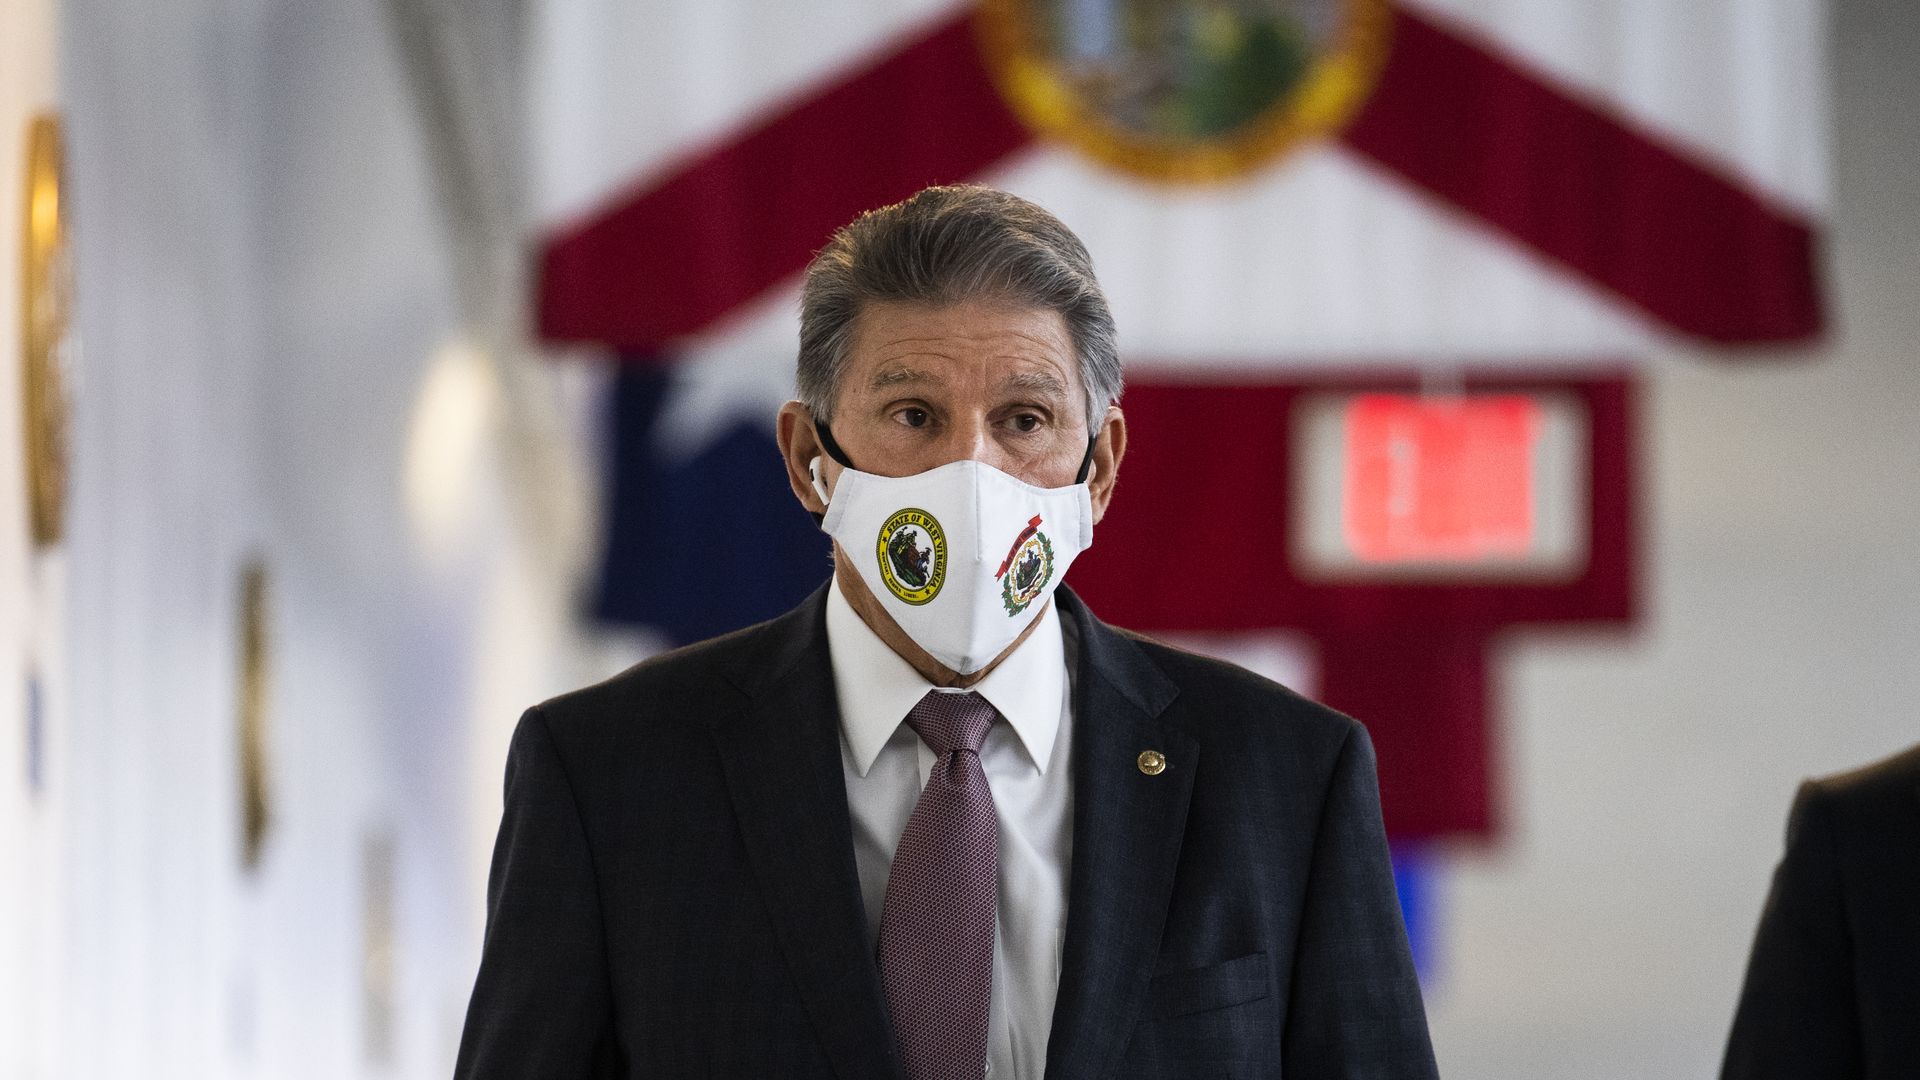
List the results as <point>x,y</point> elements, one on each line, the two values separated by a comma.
<point>928,386</point>
<point>925,386</point>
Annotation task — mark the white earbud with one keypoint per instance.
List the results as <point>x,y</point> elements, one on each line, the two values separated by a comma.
<point>819,482</point>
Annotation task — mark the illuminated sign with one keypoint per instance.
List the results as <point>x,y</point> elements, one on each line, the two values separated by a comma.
<point>1441,486</point>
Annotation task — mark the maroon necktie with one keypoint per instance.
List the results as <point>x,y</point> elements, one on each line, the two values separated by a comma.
<point>936,927</point>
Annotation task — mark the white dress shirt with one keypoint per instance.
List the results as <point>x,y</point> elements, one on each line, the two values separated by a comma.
<point>1026,760</point>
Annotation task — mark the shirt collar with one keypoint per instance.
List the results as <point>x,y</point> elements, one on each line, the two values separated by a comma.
<point>877,688</point>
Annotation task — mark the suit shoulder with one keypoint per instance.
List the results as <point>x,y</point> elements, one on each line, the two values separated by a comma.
<point>689,681</point>
<point>1867,793</point>
<point>1216,694</point>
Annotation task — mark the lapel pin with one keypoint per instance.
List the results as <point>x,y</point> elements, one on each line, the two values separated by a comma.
<point>1152,762</point>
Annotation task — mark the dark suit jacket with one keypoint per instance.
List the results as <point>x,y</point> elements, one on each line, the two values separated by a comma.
<point>1833,988</point>
<point>674,892</point>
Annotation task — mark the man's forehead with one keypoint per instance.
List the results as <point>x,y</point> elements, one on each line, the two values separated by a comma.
<point>899,342</point>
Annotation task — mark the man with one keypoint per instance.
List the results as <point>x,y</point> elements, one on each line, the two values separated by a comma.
<point>1833,987</point>
<point>940,821</point>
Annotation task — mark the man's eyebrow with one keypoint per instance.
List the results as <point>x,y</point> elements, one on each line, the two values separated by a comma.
<point>1035,382</point>
<point>889,377</point>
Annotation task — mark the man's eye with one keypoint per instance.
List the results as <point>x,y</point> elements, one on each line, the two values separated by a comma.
<point>913,417</point>
<point>1026,423</point>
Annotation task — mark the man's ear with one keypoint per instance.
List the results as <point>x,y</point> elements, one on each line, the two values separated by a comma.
<point>1109,448</point>
<point>799,445</point>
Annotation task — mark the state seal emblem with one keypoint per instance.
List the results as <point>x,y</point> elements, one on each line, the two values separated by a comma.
<point>1025,571</point>
<point>912,552</point>
<point>1185,90</point>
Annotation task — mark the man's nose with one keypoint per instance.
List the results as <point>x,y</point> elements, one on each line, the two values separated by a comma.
<point>971,438</point>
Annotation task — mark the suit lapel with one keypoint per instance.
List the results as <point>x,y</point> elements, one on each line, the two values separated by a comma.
<point>782,762</point>
<point>1127,827</point>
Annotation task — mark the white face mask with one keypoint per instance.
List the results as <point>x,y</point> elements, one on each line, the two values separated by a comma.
<point>964,557</point>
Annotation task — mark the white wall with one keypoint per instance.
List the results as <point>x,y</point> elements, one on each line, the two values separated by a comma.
<point>1650,776</point>
<point>265,286</point>
<point>30,585</point>
<point>164,508</point>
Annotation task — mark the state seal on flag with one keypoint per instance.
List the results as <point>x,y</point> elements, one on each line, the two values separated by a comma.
<point>1185,90</point>
<point>912,553</point>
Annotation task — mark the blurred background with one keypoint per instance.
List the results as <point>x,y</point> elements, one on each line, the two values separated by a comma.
<point>1532,379</point>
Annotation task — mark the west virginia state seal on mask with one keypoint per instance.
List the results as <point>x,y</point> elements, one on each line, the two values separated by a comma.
<point>1027,569</point>
<point>912,555</point>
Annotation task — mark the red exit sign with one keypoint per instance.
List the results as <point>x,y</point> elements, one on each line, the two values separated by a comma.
<point>1442,479</point>
<point>1442,485</point>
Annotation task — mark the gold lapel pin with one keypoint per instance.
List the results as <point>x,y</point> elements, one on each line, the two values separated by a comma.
<point>1152,762</point>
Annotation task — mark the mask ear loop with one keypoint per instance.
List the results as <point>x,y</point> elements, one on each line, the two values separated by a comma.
<point>1086,463</point>
<point>833,450</point>
<point>832,447</point>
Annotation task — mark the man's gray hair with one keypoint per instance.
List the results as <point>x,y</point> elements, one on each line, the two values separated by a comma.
<point>951,245</point>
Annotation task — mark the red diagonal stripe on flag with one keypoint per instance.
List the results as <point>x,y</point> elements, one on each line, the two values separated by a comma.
<point>726,226</point>
<point>1629,213</point>
<point>1632,215</point>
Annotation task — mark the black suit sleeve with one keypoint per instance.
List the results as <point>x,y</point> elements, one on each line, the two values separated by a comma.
<point>541,1004</point>
<point>1355,1010</point>
<point>1797,1017</point>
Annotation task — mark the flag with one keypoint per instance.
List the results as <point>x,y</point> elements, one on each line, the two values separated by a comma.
<point>1326,197</point>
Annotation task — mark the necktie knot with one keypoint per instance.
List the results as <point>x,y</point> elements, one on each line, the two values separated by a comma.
<point>947,721</point>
